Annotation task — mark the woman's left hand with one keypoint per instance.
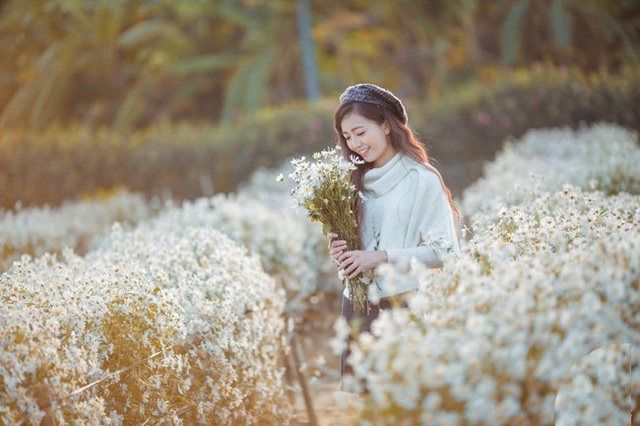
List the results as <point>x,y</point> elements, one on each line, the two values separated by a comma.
<point>354,262</point>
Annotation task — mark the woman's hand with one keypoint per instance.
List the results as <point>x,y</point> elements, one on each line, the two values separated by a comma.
<point>336,247</point>
<point>354,262</point>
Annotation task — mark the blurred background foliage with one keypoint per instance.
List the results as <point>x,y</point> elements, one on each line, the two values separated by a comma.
<point>189,96</point>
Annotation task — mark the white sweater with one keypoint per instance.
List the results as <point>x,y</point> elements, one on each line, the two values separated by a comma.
<point>407,213</point>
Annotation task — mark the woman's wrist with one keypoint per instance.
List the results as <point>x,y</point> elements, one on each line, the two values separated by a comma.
<point>384,257</point>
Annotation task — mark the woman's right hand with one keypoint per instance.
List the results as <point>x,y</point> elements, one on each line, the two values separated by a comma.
<point>336,246</point>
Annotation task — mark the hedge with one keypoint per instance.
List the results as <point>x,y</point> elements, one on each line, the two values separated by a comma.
<point>185,160</point>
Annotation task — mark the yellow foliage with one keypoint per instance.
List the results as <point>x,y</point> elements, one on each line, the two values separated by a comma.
<point>184,160</point>
<point>457,56</point>
<point>103,194</point>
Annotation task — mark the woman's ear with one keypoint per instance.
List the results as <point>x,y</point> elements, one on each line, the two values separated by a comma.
<point>386,127</point>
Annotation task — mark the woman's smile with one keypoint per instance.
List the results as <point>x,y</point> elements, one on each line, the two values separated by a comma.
<point>368,139</point>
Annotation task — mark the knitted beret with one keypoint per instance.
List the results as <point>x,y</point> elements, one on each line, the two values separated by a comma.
<point>375,95</point>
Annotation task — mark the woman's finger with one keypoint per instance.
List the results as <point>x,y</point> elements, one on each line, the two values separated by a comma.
<point>354,274</point>
<point>331,236</point>
<point>337,243</point>
<point>352,270</point>
<point>336,247</point>
<point>346,260</point>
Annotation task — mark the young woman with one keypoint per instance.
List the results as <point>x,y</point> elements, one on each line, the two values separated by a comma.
<point>407,211</point>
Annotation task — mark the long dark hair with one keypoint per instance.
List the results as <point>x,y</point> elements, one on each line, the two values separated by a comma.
<point>401,137</point>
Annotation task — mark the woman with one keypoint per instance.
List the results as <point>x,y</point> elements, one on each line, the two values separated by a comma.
<point>407,211</point>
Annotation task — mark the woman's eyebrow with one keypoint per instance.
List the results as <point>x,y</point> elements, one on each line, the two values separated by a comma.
<point>355,128</point>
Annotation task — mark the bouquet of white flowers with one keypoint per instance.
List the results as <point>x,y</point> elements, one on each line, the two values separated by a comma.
<point>325,190</point>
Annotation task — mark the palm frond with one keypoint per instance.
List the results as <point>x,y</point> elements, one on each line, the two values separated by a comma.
<point>510,36</point>
<point>560,23</point>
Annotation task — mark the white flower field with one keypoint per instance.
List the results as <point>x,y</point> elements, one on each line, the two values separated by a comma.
<point>36,231</point>
<point>178,315</point>
<point>544,299</point>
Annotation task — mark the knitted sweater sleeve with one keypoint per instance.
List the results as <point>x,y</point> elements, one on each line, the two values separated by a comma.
<point>434,225</point>
<point>422,253</point>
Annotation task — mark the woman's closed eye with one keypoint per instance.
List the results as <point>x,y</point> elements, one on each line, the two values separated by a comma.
<point>348,138</point>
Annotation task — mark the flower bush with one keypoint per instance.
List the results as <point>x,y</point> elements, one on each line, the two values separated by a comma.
<point>548,285</point>
<point>154,326</point>
<point>264,186</point>
<point>608,375</point>
<point>289,248</point>
<point>184,159</point>
<point>603,157</point>
<point>36,231</point>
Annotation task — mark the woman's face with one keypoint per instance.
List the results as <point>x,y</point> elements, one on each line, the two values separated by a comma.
<point>368,139</point>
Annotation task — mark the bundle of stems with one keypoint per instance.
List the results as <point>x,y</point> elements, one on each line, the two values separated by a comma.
<point>324,189</point>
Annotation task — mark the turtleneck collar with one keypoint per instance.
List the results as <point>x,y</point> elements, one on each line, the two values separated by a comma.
<point>380,180</point>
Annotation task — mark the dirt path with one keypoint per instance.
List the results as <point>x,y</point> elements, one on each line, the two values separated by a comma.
<point>332,407</point>
<point>322,369</point>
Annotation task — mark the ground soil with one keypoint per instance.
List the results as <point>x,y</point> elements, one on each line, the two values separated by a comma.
<point>331,406</point>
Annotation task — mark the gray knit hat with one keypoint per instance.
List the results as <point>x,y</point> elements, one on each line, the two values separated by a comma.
<point>375,95</point>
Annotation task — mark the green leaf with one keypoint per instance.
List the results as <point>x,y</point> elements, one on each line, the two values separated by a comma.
<point>560,23</point>
<point>142,32</point>
<point>247,89</point>
<point>233,95</point>
<point>127,113</point>
<point>258,78</point>
<point>49,93</point>
<point>185,92</point>
<point>48,59</point>
<point>107,22</point>
<point>510,38</point>
<point>205,63</point>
